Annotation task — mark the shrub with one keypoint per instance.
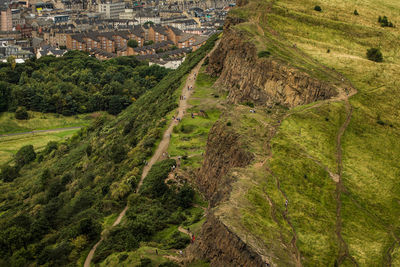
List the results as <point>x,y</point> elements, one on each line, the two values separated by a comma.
<point>52,145</point>
<point>318,8</point>
<point>229,123</point>
<point>145,262</point>
<point>21,113</point>
<point>374,54</point>
<point>178,240</point>
<point>169,264</point>
<point>384,21</point>
<point>25,155</point>
<point>355,12</point>
<point>262,54</point>
<point>117,153</point>
<point>185,196</point>
<point>133,43</point>
<point>8,173</point>
<point>154,185</point>
<point>250,104</point>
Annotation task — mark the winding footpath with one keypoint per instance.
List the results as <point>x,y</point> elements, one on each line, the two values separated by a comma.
<point>162,147</point>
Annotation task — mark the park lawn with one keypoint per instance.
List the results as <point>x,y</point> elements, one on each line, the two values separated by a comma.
<point>42,121</point>
<point>9,145</point>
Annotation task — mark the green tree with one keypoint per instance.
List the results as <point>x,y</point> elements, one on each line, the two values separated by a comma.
<point>116,105</point>
<point>375,54</point>
<point>8,173</point>
<point>318,8</point>
<point>154,184</point>
<point>21,113</point>
<point>133,43</point>
<point>149,42</point>
<point>5,96</point>
<point>25,155</point>
<point>117,152</point>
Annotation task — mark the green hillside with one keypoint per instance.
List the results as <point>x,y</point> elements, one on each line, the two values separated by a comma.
<point>340,181</point>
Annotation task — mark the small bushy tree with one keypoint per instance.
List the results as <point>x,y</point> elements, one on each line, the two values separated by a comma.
<point>133,43</point>
<point>8,173</point>
<point>374,54</point>
<point>21,113</point>
<point>318,8</point>
<point>355,12</point>
<point>25,155</point>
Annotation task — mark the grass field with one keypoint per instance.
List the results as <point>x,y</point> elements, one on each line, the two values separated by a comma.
<point>41,121</point>
<point>9,145</point>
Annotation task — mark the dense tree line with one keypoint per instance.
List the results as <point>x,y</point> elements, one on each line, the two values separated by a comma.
<point>76,83</point>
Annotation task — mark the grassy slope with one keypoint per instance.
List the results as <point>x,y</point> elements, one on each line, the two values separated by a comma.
<point>190,140</point>
<point>304,147</point>
<point>191,143</point>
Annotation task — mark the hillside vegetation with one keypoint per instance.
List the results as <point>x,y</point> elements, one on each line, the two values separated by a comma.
<point>324,187</point>
<point>59,200</point>
<point>76,83</point>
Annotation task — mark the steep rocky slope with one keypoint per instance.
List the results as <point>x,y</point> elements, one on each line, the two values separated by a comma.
<point>310,178</point>
<point>264,81</point>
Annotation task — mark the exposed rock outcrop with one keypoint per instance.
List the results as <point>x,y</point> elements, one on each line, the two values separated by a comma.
<point>263,81</point>
<point>224,151</point>
<point>217,243</point>
<point>222,247</point>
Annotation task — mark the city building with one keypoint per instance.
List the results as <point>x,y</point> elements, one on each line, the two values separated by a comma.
<point>6,19</point>
<point>112,10</point>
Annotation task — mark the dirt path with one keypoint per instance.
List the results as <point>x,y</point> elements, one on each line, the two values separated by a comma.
<point>343,248</point>
<point>163,146</point>
<point>41,131</point>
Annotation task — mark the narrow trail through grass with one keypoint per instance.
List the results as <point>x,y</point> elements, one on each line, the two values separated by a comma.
<point>343,247</point>
<point>162,147</point>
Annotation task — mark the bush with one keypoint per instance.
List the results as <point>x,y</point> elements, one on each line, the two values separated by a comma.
<point>25,155</point>
<point>178,240</point>
<point>318,8</point>
<point>250,104</point>
<point>133,43</point>
<point>52,145</point>
<point>153,184</point>
<point>145,262</point>
<point>169,264</point>
<point>355,12</point>
<point>21,113</point>
<point>8,173</point>
<point>265,54</point>
<point>374,54</point>
<point>117,153</point>
<point>384,21</point>
<point>185,196</point>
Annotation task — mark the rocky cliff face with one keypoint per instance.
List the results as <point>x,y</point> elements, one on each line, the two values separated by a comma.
<point>262,81</point>
<point>224,151</point>
<point>222,247</point>
<point>217,243</point>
